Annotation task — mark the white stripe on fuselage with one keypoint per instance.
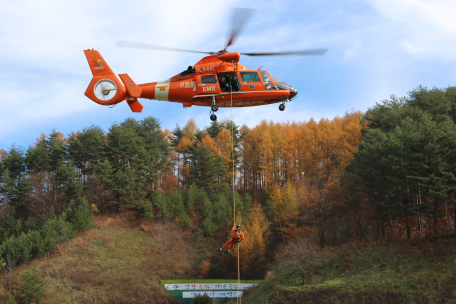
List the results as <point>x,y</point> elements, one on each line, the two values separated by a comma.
<point>162,90</point>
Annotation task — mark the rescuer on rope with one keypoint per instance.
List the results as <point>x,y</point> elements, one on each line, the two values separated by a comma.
<point>238,236</point>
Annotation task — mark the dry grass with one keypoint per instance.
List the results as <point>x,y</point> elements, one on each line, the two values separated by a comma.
<point>116,262</point>
<point>417,271</point>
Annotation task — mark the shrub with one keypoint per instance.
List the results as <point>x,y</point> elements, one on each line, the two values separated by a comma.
<point>300,257</point>
<point>204,299</point>
<point>11,300</point>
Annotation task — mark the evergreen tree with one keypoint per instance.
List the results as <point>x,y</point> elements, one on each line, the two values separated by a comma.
<point>57,150</point>
<point>87,149</point>
<point>67,177</point>
<point>214,129</point>
<point>15,162</point>
<point>222,211</point>
<point>32,288</point>
<point>206,169</point>
<point>79,214</point>
<point>163,210</point>
<point>177,132</point>
<point>127,155</point>
<point>36,243</point>
<point>146,209</point>
<point>208,226</point>
<point>37,158</point>
<point>192,195</point>
<point>247,202</point>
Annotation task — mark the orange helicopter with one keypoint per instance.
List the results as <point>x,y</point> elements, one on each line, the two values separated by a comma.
<point>217,80</point>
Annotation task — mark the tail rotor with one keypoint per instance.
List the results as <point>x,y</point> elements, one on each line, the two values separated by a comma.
<point>105,89</point>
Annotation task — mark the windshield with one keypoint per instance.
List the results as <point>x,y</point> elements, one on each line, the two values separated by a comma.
<point>273,78</point>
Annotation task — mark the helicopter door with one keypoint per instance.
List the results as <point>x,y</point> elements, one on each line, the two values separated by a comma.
<point>207,84</point>
<point>251,82</point>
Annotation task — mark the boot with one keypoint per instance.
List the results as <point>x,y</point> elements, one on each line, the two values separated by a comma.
<point>228,251</point>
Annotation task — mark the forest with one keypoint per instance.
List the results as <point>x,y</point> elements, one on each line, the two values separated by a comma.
<point>386,173</point>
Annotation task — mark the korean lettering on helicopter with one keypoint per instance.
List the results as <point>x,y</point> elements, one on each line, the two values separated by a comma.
<point>187,84</point>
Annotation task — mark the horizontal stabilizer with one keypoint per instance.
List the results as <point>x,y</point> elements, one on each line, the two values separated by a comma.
<point>132,89</point>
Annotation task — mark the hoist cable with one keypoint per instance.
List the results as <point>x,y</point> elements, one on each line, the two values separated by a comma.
<point>238,298</point>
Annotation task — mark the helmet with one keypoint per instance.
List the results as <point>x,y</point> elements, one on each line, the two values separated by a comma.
<point>238,226</point>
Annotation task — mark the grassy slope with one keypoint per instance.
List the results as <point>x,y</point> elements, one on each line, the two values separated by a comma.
<point>368,273</point>
<point>113,263</point>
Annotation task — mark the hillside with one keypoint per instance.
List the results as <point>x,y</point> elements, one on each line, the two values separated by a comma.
<point>114,262</point>
<point>370,272</point>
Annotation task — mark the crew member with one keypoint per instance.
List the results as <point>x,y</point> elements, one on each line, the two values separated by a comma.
<point>224,85</point>
<point>238,236</point>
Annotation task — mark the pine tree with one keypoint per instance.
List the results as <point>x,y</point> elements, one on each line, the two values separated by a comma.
<point>15,162</point>
<point>87,149</point>
<point>214,129</point>
<point>79,214</point>
<point>206,169</point>
<point>32,288</point>
<point>191,198</point>
<point>67,176</point>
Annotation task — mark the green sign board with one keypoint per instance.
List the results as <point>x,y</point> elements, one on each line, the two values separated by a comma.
<point>218,290</point>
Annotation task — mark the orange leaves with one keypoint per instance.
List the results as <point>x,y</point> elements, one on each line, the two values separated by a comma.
<point>293,152</point>
<point>3,155</point>
<point>204,269</point>
<point>253,248</point>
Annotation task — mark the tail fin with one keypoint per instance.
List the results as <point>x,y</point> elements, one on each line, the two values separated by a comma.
<point>105,88</point>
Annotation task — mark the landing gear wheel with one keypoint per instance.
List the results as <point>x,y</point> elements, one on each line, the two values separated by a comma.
<point>282,107</point>
<point>214,108</point>
<point>213,117</point>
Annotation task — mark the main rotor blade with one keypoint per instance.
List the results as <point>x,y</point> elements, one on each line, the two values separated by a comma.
<point>239,18</point>
<point>304,52</point>
<point>135,45</point>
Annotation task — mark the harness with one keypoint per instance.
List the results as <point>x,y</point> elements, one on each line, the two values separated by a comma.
<point>238,239</point>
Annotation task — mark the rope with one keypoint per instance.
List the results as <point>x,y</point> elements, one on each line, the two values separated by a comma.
<point>238,298</point>
<point>232,151</point>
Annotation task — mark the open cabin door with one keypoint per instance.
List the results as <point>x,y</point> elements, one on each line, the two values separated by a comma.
<point>207,84</point>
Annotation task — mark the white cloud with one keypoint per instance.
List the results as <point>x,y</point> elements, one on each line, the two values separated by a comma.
<point>423,27</point>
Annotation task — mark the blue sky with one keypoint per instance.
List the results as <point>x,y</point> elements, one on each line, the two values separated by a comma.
<point>376,48</point>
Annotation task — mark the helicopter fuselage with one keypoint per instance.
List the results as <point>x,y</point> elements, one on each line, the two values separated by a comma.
<point>215,80</point>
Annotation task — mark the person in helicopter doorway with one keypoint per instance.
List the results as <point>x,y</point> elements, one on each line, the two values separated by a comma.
<point>224,85</point>
<point>238,236</point>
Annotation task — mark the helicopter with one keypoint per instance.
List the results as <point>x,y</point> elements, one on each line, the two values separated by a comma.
<point>217,80</point>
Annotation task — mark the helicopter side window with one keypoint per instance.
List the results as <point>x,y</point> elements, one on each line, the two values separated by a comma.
<point>267,81</point>
<point>250,77</point>
<point>208,79</point>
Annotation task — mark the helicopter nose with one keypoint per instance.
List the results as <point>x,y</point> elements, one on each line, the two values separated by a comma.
<point>293,92</point>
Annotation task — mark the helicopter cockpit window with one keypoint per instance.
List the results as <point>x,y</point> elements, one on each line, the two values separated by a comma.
<point>282,86</point>
<point>250,77</point>
<point>208,79</point>
<point>267,81</point>
<point>275,79</point>
<point>190,70</point>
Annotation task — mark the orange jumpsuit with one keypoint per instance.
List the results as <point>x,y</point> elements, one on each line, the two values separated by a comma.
<point>238,236</point>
